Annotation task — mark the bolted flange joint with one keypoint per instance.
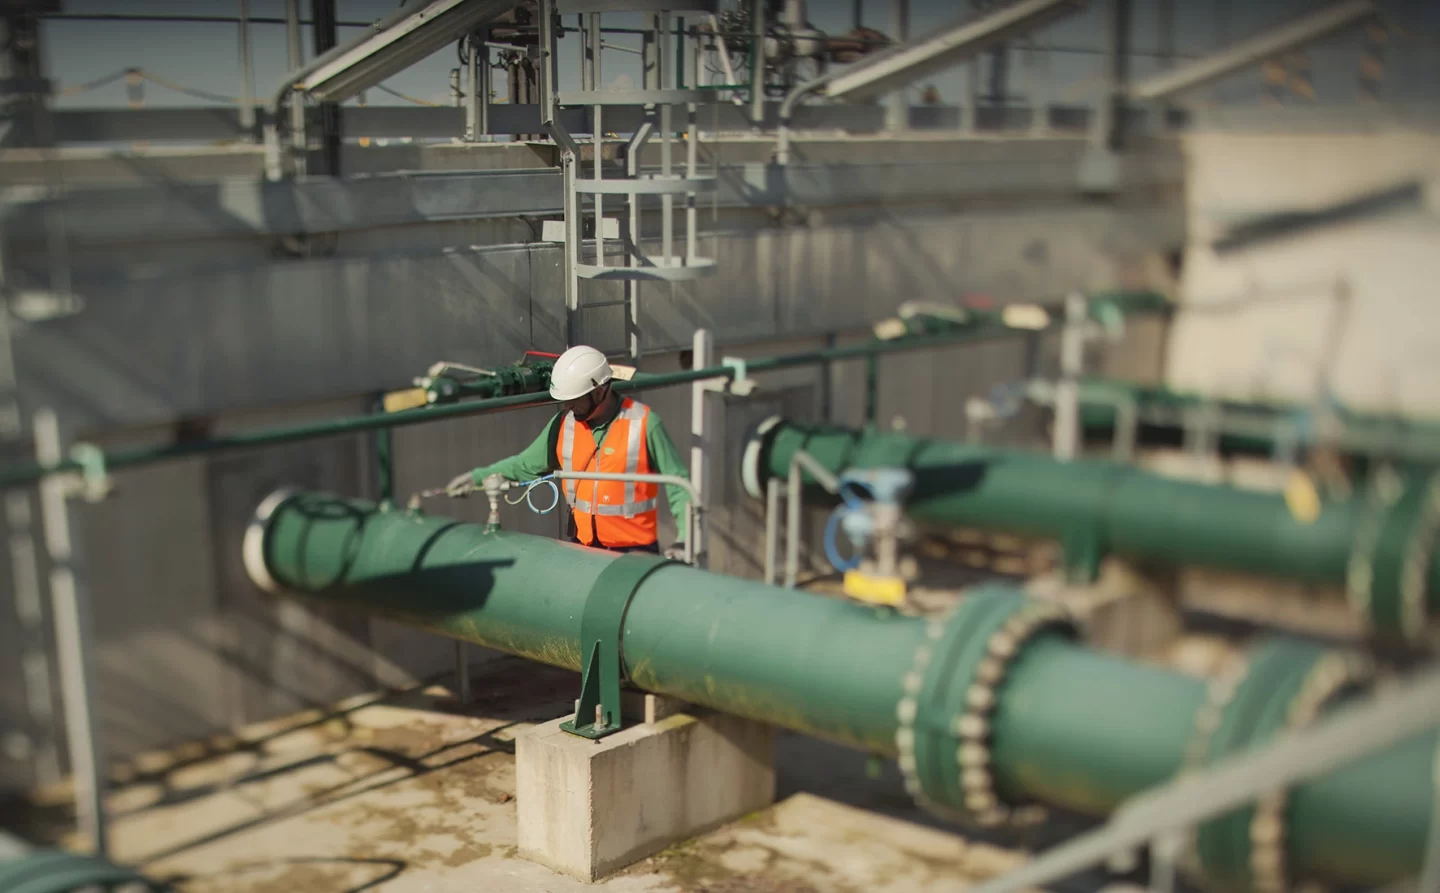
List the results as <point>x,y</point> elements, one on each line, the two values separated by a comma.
<point>951,694</point>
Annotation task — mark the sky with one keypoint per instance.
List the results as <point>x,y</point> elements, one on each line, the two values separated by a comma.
<point>205,57</point>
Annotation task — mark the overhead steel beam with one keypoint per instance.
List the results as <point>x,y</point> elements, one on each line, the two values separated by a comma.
<point>885,71</point>
<point>397,42</point>
<point>1308,29</point>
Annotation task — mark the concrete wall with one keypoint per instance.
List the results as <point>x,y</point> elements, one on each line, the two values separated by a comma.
<point>1349,302</point>
<point>210,335</point>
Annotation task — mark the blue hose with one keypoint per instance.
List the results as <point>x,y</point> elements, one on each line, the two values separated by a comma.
<point>530,487</point>
<point>832,527</point>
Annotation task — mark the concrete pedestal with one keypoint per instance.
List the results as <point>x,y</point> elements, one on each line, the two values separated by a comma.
<point>588,808</point>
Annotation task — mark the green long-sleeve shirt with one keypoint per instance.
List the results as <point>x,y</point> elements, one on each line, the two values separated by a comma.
<point>535,460</point>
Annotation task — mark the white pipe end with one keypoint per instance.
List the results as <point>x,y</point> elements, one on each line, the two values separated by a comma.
<point>750,461</point>
<point>252,549</point>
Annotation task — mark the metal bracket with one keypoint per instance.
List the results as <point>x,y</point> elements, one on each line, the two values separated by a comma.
<point>94,484</point>
<point>597,713</point>
<point>1082,550</point>
<point>740,384</point>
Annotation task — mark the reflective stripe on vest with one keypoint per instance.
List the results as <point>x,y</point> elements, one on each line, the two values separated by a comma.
<point>614,513</point>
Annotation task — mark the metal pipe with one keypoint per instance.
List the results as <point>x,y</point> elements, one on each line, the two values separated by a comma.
<point>701,439</point>
<point>800,462</point>
<point>1070,726</point>
<point>772,528</point>
<point>1383,550</point>
<point>1260,426</point>
<point>247,74</point>
<point>757,65</point>
<point>298,137</point>
<point>984,329</point>
<point>897,110</point>
<point>74,642</point>
<point>1310,27</point>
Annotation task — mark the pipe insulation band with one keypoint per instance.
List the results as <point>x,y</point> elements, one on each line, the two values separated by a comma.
<point>1064,725</point>
<point>1285,685</point>
<point>1380,546</point>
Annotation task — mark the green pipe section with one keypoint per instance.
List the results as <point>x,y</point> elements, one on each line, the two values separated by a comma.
<point>1071,727</point>
<point>1262,426</point>
<point>979,327</point>
<point>1094,508</point>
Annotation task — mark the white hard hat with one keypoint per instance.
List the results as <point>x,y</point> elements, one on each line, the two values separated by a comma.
<point>577,372</point>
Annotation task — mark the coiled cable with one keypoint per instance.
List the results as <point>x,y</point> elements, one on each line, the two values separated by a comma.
<point>530,487</point>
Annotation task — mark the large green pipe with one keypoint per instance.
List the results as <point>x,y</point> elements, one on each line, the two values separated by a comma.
<point>1096,507</point>
<point>1261,426</point>
<point>1071,727</point>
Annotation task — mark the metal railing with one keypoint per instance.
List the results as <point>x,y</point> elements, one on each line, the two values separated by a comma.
<point>799,461</point>
<point>1162,817</point>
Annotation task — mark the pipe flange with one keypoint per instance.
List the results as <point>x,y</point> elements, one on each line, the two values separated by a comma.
<point>949,698</point>
<point>1332,676</point>
<point>973,755</point>
<point>1415,566</point>
<point>1386,488</point>
<point>1284,684</point>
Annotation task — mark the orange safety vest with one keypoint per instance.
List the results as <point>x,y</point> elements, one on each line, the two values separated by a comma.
<point>614,512</point>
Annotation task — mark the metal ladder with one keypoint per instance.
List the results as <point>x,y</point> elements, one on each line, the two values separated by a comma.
<point>663,91</point>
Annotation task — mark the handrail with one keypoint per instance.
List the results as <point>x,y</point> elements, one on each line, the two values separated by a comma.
<point>984,328</point>
<point>1155,815</point>
<point>671,480</point>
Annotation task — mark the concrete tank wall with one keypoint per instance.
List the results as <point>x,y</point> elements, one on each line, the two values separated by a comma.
<point>1349,302</point>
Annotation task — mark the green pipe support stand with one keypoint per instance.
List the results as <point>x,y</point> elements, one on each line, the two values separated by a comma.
<point>602,627</point>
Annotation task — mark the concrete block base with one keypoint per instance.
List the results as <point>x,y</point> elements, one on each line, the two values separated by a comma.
<point>589,808</point>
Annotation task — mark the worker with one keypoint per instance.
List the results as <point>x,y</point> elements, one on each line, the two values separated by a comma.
<point>598,430</point>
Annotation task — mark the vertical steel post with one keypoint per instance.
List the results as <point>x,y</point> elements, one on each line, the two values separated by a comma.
<point>384,460</point>
<point>1108,130</point>
<point>772,528</point>
<point>485,73</point>
<point>299,141</point>
<point>247,75</point>
<point>1165,38</point>
<point>792,526</point>
<point>757,65</point>
<point>872,391</point>
<point>473,87</point>
<point>1067,390</point>
<point>667,136</point>
<point>692,170</point>
<point>590,35</point>
<point>969,117</point>
<point>324,28</point>
<point>546,74</point>
<point>462,673</point>
<point>897,109</point>
<point>703,349</point>
<point>70,607</point>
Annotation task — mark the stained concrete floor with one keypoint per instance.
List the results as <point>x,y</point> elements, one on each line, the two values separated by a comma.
<point>407,792</point>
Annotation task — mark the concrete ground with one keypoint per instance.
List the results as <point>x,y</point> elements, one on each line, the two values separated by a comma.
<point>406,792</point>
